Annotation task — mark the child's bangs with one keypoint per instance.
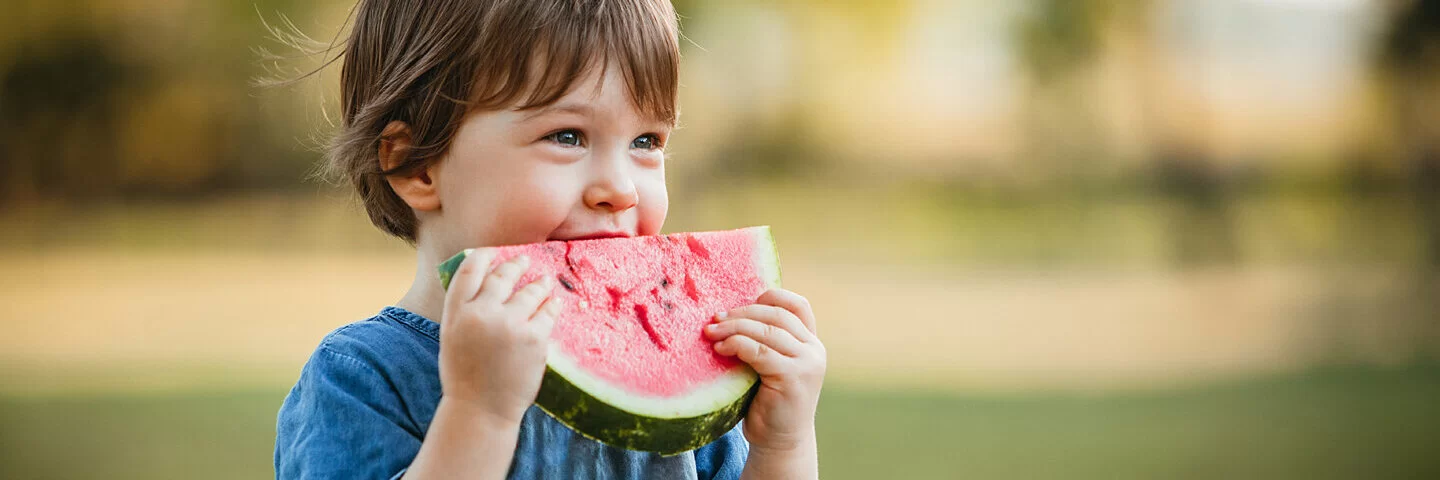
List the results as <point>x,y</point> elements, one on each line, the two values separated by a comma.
<point>533,67</point>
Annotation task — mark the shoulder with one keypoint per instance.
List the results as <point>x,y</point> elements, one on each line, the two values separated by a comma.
<point>382,365</point>
<point>362,402</point>
<point>391,358</point>
<point>392,336</point>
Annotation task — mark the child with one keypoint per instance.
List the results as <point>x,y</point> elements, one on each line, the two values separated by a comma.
<point>488,122</point>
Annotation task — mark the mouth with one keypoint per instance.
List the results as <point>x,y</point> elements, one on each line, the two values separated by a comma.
<point>592,236</point>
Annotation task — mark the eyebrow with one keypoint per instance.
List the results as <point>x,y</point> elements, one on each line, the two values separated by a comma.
<point>572,108</point>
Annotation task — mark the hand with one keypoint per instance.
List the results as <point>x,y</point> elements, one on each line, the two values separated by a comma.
<point>776,336</point>
<point>493,343</point>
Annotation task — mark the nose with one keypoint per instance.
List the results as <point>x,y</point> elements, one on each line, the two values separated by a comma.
<point>611,188</point>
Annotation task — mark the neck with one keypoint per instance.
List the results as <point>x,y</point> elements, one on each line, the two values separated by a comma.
<point>426,297</point>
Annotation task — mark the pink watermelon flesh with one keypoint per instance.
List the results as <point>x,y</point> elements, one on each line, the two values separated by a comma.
<point>635,307</point>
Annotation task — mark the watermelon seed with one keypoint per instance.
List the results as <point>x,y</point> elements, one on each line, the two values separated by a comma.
<point>565,283</point>
<point>570,264</point>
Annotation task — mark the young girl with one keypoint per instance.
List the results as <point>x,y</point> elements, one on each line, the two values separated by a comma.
<point>489,122</point>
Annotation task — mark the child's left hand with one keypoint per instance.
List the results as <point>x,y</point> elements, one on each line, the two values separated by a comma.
<point>776,336</point>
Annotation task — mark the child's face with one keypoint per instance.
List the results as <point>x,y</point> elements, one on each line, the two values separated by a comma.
<point>589,165</point>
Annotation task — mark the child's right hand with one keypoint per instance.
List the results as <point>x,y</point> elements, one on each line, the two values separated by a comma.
<point>492,343</point>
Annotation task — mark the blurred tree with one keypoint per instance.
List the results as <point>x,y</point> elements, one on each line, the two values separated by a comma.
<point>59,103</point>
<point>146,98</point>
<point>1410,54</point>
<point>1201,226</point>
<point>1059,37</point>
<point>1410,57</point>
<point>1060,42</point>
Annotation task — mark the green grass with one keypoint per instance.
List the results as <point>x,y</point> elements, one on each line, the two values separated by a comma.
<point>1334,424</point>
<point>197,435</point>
<point>1338,423</point>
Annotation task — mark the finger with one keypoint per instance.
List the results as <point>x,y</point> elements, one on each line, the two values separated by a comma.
<point>765,360</point>
<point>770,335</point>
<point>544,319</point>
<point>528,298</point>
<point>500,283</point>
<point>468,276</point>
<point>794,303</point>
<point>773,315</point>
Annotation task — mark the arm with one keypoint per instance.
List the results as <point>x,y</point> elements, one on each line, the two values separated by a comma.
<point>776,336</point>
<point>465,440</point>
<point>492,357</point>
<point>801,462</point>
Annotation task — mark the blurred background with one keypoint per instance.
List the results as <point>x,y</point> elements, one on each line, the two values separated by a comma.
<point>1044,238</point>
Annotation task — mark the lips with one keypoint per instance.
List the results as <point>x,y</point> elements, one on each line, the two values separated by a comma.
<point>592,235</point>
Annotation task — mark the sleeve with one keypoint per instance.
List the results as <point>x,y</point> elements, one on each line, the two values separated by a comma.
<point>725,457</point>
<point>343,419</point>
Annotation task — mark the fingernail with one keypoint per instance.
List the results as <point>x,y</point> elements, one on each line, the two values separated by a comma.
<point>720,316</point>
<point>711,327</point>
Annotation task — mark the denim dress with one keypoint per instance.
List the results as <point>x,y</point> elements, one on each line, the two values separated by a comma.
<point>366,397</point>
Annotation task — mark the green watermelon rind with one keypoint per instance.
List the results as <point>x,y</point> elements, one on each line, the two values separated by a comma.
<point>642,425</point>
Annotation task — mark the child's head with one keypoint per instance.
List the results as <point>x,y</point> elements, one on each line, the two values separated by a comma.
<point>482,122</point>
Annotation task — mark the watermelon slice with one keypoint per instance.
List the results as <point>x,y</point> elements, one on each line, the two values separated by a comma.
<point>629,364</point>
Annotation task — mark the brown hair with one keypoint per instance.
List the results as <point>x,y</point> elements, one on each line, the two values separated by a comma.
<point>428,63</point>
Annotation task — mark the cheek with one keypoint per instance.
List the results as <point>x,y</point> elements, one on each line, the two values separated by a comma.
<point>506,203</point>
<point>534,206</point>
<point>654,205</point>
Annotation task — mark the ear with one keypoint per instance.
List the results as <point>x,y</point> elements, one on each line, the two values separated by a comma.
<point>416,189</point>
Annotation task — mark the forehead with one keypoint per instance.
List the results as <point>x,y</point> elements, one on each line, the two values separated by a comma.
<point>599,93</point>
<point>602,84</point>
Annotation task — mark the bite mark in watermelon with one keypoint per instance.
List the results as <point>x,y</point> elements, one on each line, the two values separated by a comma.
<point>629,364</point>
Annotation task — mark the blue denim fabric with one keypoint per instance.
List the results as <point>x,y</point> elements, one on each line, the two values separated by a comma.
<point>367,395</point>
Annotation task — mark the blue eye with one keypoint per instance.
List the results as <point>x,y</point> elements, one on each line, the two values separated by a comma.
<point>645,142</point>
<point>569,138</point>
